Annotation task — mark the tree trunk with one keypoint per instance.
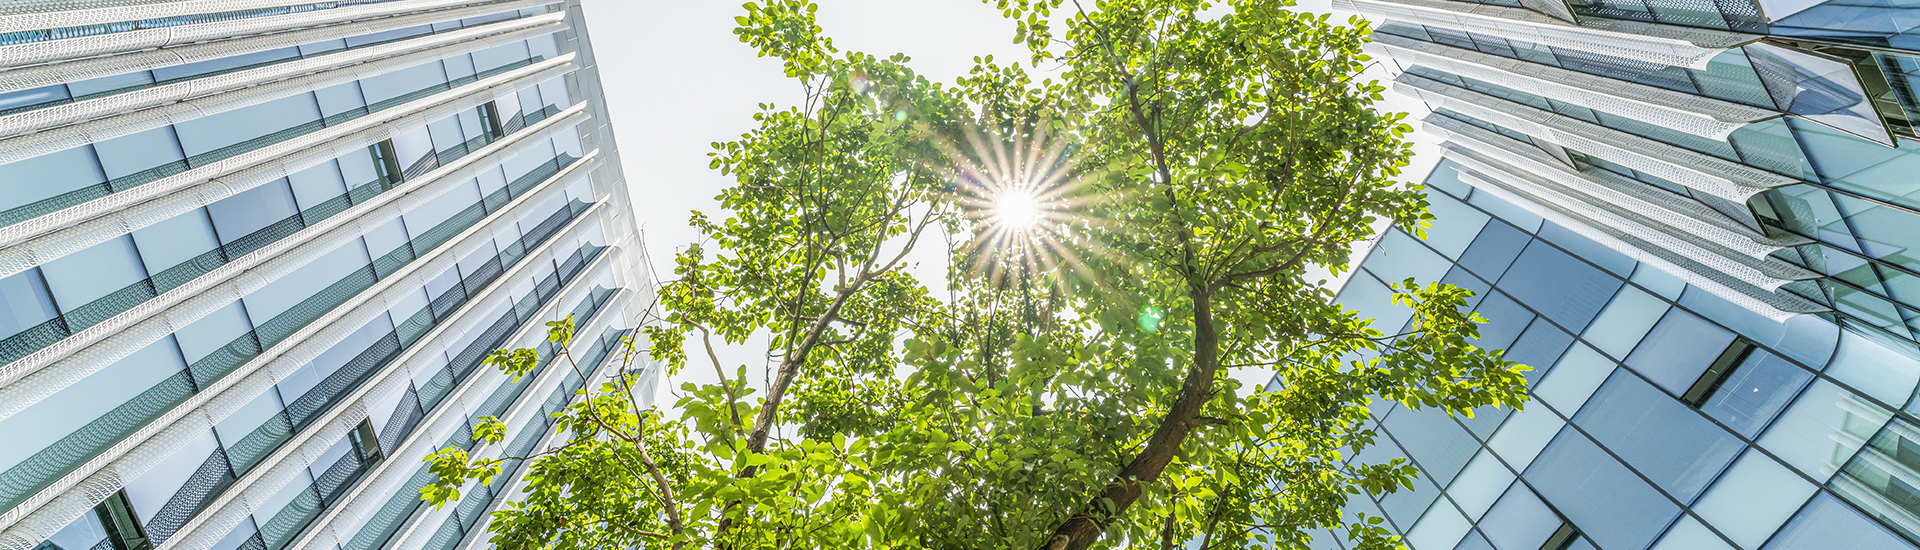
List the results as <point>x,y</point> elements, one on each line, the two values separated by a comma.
<point>1085,527</point>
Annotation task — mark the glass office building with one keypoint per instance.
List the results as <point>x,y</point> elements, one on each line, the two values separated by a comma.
<point>1693,219</point>
<point>252,254</point>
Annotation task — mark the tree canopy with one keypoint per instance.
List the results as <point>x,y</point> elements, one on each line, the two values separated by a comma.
<point>1121,237</point>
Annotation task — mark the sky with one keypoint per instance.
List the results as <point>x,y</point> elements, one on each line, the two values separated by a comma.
<point>677,80</point>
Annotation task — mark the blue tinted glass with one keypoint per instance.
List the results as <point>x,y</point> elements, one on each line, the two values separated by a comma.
<point>339,98</point>
<point>128,154</point>
<point>110,83</point>
<point>1626,320</point>
<point>279,296</point>
<point>31,180</point>
<point>1877,366</point>
<point>1454,226</point>
<point>89,274</point>
<point>1827,524</point>
<point>554,90</point>
<point>1678,349</point>
<point>1755,391</point>
<point>1404,506</point>
<point>1505,320</point>
<point>1461,278</point>
<point>1540,347</point>
<point>446,133</point>
<point>205,134</point>
<point>1519,521</point>
<point>1398,257</point>
<point>210,333</point>
<point>402,82</point>
<point>1432,439</point>
<point>178,239</point>
<point>1588,250</point>
<point>252,210</point>
<point>1494,250</point>
<point>1668,443</point>
<point>1506,211</point>
<point>1559,286</point>
<point>459,66</point>
<point>316,184</point>
<point>1600,496</point>
<point>1474,542</point>
<point>501,55</point>
<point>228,63</point>
<point>34,96</point>
<point>24,302</point>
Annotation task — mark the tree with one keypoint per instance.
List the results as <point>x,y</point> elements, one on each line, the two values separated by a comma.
<point>1192,163</point>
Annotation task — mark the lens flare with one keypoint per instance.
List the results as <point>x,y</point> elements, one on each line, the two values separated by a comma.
<point>1026,198</point>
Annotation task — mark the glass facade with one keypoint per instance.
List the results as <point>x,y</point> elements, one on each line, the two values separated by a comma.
<point>1661,415</point>
<point>242,328</point>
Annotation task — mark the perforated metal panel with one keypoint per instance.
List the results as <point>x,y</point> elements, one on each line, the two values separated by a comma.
<point>1662,44</point>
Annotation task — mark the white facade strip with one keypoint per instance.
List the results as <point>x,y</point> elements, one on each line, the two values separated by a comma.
<point>47,74</point>
<point>1699,171</point>
<point>1664,44</point>
<point>51,236</point>
<point>75,48</point>
<point>259,85</point>
<point>1694,114</point>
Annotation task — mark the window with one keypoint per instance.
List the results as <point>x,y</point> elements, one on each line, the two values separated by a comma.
<point>340,98</point>
<point>1399,257</point>
<point>46,176</point>
<point>1753,498</point>
<point>1822,429</point>
<point>1519,521</point>
<point>1433,439</point>
<point>1680,348</point>
<point>24,302</point>
<point>317,184</point>
<point>122,527</point>
<point>1827,524</point>
<point>82,277</point>
<point>1494,250</point>
<point>1750,393</point>
<point>1558,285</point>
<point>130,154</point>
<point>211,133</point>
<point>1505,321</point>
<point>1593,490</point>
<point>252,210</point>
<point>1673,446</point>
<point>174,241</point>
<point>365,445</point>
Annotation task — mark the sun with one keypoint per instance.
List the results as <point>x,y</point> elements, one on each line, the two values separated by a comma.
<point>1016,209</point>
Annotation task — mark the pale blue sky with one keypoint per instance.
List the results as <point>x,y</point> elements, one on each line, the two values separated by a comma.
<point>677,80</point>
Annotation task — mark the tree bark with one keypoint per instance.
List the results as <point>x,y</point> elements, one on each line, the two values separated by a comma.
<point>1087,525</point>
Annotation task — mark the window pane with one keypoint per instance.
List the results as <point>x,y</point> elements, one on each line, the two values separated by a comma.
<point>1398,257</point>
<point>43,423</point>
<point>316,184</point>
<point>178,239</point>
<point>402,82</point>
<point>1519,521</point>
<point>1575,379</point>
<point>215,331</point>
<point>499,56</point>
<point>1875,366</point>
<point>1753,499</point>
<point>446,133</point>
<point>38,178</point>
<point>1559,286</point>
<point>1480,484</point>
<point>202,135</point>
<point>1494,250</point>
<point>1619,328</point>
<point>87,275</point>
<point>339,98</point>
<point>1600,496</point>
<point>281,295</point>
<point>1506,211</point>
<point>1505,320</point>
<point>24,302</point>
<point>1680,347</point>
<point>1689,534</point>
<point>1586,249</point>
<point>139,152</point>
<point>1822,429</point>
<point>252,210</point>
<point>1827,524</point>
<point>554,90</point>
<point>1522,437</point>
<point>1539,348</point>
<point>1755,391</point>
<point>36,96</point>
<point>543,46</point>
<point>150,492</point>
<point>1433,439</point>
<point>1668,443</point>
<point>110,83</point>
<point>231,62</point>
<point>1439,529</point>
